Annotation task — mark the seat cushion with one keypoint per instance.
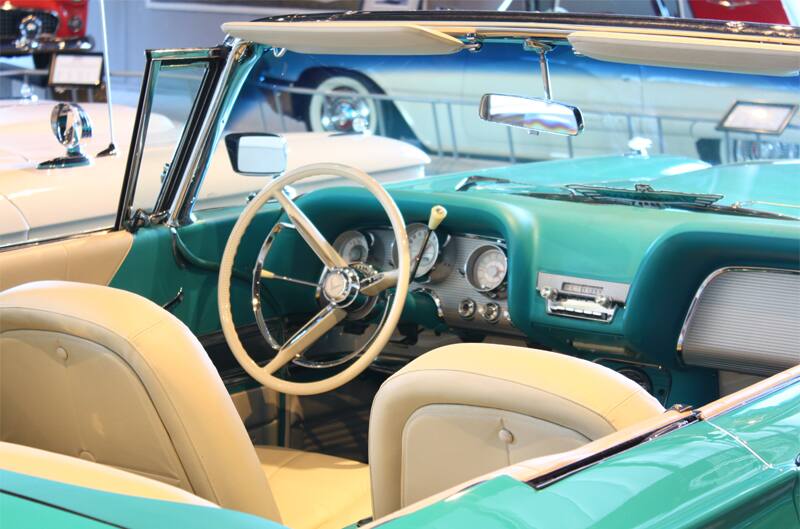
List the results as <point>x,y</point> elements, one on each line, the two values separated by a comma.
<point>316,491</point>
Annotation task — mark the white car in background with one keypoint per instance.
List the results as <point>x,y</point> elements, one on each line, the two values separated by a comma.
<point>38,204</point>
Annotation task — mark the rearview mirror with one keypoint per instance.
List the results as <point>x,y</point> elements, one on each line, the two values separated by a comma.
<point>532,114</point>
<point>256,153</point>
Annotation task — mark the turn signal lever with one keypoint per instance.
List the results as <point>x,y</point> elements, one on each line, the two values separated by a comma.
<point>438,214</point>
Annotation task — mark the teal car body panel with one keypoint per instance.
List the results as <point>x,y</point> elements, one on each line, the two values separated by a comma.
<point>738,469</point>
<point>31,502</point>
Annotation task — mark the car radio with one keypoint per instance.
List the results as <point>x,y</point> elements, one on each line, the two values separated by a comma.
<point>575,297</point>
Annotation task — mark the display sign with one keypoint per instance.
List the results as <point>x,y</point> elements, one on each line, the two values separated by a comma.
<point>76,69</point>
<point>757,117</point>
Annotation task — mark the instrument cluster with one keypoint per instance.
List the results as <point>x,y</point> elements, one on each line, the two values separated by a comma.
<point>466,275</point>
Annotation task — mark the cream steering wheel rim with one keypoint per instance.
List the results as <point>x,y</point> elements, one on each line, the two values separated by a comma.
<point>275,190</point>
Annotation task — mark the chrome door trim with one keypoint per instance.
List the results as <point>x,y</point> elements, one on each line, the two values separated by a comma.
<point>197,164</point>
<point>61,238</point>
<point>708,280</point>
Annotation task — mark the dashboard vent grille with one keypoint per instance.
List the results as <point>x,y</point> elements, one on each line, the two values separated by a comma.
<point>745,320</point>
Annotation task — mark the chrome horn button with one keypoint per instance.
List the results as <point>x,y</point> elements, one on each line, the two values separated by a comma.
<point>340,286</point>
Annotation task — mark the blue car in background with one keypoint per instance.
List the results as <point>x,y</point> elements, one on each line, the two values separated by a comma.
<point>676,112</point>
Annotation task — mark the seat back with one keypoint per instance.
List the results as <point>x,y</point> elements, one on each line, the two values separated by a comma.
<point>108,376</point>
<point>464,410</point>
<point>73,471</point>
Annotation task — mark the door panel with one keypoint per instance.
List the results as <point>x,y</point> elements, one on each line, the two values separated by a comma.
<point>92,258</point>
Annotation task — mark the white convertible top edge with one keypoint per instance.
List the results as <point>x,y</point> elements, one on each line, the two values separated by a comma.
<point>356,38</point>
<point>689,52</point>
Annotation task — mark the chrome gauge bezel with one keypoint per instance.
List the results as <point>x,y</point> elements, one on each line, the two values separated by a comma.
<point>495,291</point>
<point>346,236</point>
<point>434,239</point>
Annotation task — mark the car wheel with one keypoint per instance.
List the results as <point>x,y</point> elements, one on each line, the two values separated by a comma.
<point>347,110</point>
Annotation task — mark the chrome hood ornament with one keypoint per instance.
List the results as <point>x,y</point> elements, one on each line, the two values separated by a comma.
<point>70,125</point>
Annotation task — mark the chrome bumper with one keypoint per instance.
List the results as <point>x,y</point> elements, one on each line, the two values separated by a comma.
<point>45,45</point>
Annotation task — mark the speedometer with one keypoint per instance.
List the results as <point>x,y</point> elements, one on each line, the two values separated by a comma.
<point>352,246</point>
<point>486,268</point>
<point>416,237</point>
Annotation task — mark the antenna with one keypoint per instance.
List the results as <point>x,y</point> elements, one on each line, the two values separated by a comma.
<point>111,150</point>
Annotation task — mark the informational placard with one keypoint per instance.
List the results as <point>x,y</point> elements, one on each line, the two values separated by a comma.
<point>76,69</point>
<point>758,117</point>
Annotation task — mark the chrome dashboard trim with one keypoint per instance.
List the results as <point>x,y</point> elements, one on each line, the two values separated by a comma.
<point>500,290</point>
<point>437,301</point>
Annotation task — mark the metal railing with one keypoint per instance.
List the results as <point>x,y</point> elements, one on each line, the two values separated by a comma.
<point>730,142</point>
<point>633,123</point>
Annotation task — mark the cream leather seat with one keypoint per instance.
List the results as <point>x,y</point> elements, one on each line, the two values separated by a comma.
<point>107,376</point>
<point>74,471</point>
<point>464,410</point>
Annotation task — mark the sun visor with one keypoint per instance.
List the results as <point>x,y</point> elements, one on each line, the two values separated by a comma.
<point>347,38</point>
<point>736,56</point>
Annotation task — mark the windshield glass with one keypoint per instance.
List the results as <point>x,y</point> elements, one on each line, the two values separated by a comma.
<point>677,130</point>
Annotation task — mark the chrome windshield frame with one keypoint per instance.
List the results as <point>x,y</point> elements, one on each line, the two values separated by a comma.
<point>239,61</point>
<point>156,61</point>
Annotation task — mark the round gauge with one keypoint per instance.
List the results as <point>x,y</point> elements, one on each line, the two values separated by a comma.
<point>486,268</point>
<point>352,246</point>
<point>416,237</point>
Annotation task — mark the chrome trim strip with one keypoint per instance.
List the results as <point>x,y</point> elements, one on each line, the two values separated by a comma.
<point>255,287</point>
<point>741,442</point>
<point>437,301</point>
<point>131,176</point>
<point>37,242</point>
<point>707,281</point>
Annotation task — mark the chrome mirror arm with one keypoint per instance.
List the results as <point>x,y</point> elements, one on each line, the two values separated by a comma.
<point>541,48</point>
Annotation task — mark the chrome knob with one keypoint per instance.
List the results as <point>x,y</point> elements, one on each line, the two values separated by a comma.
<point>603,301</point>
<point>466,309</point>
<point>491,312</point>
<point>549,293</point>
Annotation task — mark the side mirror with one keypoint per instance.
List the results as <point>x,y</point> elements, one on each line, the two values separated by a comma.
<point>257,154</point>
<point>532,114</point>
<point>70,125</point>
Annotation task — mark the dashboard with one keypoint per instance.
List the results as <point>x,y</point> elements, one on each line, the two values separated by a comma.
<point>612,284</point>
<point>465,275</point>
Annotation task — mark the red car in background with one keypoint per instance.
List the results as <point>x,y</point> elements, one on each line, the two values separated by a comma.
<point>767,11</point>
<point>41,27</point>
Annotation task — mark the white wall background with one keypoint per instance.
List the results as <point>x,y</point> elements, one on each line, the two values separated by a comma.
<point>134,27</point>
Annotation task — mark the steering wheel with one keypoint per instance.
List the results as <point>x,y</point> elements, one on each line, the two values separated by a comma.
<point>339,285</point>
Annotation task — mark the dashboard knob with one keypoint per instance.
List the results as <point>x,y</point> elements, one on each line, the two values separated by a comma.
<point>491,312</point>
<point>548,293</point>
<point>603,301</point>
<point>466,309</point>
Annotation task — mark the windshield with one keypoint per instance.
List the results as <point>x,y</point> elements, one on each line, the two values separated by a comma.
<point>677,130</point>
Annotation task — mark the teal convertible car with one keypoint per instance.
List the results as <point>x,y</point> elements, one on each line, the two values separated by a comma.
<point>604,341</point>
